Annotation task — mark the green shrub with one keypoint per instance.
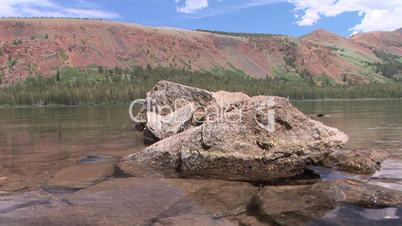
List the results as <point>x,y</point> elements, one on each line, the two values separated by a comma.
<point>17,42</point>
<point>63,55</point>
<point>11,64</point>
<point>325,80</point>
<point>290,53</point>
<point>391,67</point>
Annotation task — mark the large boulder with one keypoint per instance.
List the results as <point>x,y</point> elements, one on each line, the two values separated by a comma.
<point>229,136</point>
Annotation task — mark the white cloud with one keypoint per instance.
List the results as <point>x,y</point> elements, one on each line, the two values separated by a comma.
<point>377,15</point>
<point>190,6</point>
<point>48,8</point>
<point>207,8</point>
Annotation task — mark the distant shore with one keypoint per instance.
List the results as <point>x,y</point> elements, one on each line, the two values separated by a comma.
<point>98,86</point>
<point>119,104</point>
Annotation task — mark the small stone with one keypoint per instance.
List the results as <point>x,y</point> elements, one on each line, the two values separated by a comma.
<point>356,161</point>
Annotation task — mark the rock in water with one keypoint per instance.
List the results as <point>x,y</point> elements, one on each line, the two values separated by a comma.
<point>297,205</point>
<point>293,205</point>
<point>228,136</point>
<point>356,161</point>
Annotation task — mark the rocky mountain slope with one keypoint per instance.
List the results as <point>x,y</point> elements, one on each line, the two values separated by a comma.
<point>390,42</point>
<point>31,47</point>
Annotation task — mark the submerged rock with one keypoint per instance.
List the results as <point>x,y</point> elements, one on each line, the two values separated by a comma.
<point>356,161</point>
<point>361,194</point>
<point>229,136</point>
<point>133,201</point>
<point>3,180</point>
<point>227,199</point>
<point>90,170</point>
<point>207,202</point>
<point>297,205</point>
<point>193,220</point>
<point>293,205</point>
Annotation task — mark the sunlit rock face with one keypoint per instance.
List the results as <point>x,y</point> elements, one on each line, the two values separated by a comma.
<point>228,136</point>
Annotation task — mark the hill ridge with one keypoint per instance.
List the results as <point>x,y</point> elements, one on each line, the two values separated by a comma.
<point>30,47</point>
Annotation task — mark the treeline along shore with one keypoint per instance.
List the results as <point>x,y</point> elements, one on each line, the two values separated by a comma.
<point>98,85</point>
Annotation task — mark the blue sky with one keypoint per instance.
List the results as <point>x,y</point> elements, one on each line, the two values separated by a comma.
<point>291,17</point>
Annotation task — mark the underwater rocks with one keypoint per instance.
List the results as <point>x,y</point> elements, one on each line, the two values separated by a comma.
<point>296,205</point>
<point>89,171</point>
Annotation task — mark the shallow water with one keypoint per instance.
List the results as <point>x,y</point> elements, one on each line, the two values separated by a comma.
<point>369,123</point>
<point>38,143</point>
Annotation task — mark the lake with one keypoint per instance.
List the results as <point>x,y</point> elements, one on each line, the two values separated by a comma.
<point>36,143</point>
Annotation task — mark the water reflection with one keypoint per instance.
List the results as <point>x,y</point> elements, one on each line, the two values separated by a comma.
<point>354,215</point>
<point>370,123</point>
<point>37,142</point>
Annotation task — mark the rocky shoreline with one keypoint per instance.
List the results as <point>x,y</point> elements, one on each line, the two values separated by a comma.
<point>245,150</point>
